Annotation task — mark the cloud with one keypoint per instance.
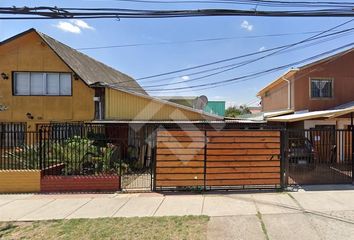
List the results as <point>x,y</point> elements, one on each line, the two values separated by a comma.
<point>185,77</point>
<point>82,24</point>
<point>68,27</point>
<point>246,25</point>
<point>73,26</point>
<point>262,48</point>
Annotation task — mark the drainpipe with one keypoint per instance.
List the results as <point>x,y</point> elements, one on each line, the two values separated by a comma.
<point>289,91</point>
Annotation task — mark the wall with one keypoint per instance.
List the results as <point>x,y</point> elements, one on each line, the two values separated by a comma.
<point>80,183</point>
<point>276,99</point>
<point>19,181</point>
<point>340,69</point>
<point>29,53</point>
<point>125,106</point>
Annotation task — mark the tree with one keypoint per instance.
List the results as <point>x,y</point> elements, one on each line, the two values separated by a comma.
<point>234,111</point>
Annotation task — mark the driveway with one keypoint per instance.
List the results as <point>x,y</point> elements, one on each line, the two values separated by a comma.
<point>325,212</point>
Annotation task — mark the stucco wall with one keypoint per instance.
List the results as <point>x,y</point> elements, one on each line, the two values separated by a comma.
<point>19,181</point>
<point>340,69</point>
<point>30,53</point>
<point>276,98</point>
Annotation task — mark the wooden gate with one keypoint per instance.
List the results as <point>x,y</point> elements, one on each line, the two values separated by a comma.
<point>218,159</point>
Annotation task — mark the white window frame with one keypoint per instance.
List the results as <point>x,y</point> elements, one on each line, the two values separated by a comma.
<point>45,87</point>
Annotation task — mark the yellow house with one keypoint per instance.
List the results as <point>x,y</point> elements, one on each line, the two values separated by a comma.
<point>44,81</point>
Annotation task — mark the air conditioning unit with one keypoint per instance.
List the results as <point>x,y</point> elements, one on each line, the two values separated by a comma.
<point>96,99</point>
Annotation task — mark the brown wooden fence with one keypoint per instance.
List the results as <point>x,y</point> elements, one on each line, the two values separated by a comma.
<point>218,158</point>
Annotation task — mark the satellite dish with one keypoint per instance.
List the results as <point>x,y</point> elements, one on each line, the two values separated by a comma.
<point>201,102</point>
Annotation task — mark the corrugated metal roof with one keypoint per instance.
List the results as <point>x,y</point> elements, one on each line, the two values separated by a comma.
<point>168,103</point>
<point>178,122</point>
<point>312,115</point>
<point>88,69</point>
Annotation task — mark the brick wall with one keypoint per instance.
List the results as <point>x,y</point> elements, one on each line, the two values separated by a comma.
<point>19,181</point>
<point>104,183</point>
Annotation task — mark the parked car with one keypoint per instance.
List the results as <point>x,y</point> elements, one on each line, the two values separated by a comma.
<point>301,152</point>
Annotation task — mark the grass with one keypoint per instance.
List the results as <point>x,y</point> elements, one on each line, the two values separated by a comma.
<point>174,228</point>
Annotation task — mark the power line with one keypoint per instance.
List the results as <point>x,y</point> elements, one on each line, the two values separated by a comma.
<point>233,66</point>
<point>264,3</point>
<point>196,40</point>
<point>45,12</point>
<point>252,75</point>
<point>237,57</point>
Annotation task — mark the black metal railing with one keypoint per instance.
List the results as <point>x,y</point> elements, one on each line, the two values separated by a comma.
<point>312,156</point>
<point>319,156</point>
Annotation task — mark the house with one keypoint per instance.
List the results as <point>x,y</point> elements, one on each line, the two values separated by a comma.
<point>255,110</point>
<point>201,103</point>
<point>43,81</point>
<point>215,107</point>
<point>317,95</point>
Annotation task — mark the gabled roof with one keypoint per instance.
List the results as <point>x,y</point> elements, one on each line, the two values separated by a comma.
<point>88,69</point>
<point>277,81</point>
<point>166,102</point>
<point>291,72</point>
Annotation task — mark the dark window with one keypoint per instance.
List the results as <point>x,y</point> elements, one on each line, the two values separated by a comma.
<point>321,88</point>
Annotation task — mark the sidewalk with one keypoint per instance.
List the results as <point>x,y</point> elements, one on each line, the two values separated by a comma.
<point>306,214</point>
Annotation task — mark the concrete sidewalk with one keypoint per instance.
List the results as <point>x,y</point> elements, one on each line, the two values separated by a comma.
<point>306,214</point>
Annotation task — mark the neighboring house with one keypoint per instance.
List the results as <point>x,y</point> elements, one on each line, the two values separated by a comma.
<point>255,110</point>
<point>215,107</point>
<point>319,94</point>
<point>200,103</point>
<point>188,101</point>
<point>44,81</point>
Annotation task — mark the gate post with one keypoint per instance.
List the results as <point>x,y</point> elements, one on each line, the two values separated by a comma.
<point>283,158</point>
<point>40,150</point>
<point>205,157</point>
<point>352,130</point>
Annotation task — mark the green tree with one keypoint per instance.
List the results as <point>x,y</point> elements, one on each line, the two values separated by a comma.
<point>234,111</point>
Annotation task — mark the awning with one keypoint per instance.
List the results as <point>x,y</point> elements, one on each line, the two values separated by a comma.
<point>277,113</point>
<point>312,115</point>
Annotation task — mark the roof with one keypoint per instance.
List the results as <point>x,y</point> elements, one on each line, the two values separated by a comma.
<point>177,97</point>
<point>312,115</point>
<point>88,69</point>
<point>178,122</point>
<point>291,72</point>
<point>277,81</point>
<point>167,102</point>
<point>261,116</point>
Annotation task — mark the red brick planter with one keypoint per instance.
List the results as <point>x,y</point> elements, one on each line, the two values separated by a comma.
<point>99,183</point>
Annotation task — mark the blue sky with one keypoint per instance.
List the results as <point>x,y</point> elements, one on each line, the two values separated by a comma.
<point>154,59</point>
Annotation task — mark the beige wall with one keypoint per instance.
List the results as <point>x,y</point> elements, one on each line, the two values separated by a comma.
<point>29,53</point>
<point>276,98</point>
<point>125,106</point>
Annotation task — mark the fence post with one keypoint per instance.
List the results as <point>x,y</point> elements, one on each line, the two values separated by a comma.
<point>40,150</point>
<point>120,167</point>
<point>205,158</point>
<point>352,130</point>
<point>283,158</point>
<point>154,158</point>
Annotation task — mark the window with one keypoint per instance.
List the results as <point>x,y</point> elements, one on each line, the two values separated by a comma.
<point>42,84</point>
<point>321,88</point>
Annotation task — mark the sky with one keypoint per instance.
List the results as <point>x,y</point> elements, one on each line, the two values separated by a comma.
<point>147,60</point>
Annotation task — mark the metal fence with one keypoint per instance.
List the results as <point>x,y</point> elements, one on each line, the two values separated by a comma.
<point>320,156</point>
<point>316,156</point>
<point>82,149</point>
